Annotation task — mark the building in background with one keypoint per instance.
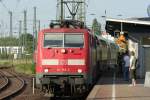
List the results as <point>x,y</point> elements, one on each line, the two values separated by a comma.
<point>13,50</point>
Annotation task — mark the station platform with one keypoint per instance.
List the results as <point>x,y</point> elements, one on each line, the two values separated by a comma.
<point>115,88</point>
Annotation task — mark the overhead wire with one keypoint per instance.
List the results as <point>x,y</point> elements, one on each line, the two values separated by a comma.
<point>6,8</point>
<point>1,1</point>
<point>12,10</point>
<point>15,13</point>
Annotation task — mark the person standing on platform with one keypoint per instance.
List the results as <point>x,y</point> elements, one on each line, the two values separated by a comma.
<point>132,68</point>
<point>126,60</point>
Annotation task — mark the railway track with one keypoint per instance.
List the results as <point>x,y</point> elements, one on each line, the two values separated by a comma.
<point>3,81</point>
<point>11,85</point>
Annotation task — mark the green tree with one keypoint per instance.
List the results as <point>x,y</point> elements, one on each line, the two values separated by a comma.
<point>96,27</point>
<point>26,40</point>
<point>8,41</point>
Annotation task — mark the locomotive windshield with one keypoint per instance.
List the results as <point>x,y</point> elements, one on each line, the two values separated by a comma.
<point>64,40</point>
<point>73,40</point>
<point>53,40</point>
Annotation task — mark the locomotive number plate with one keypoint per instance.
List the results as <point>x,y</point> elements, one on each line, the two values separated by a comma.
<point>62,62</point>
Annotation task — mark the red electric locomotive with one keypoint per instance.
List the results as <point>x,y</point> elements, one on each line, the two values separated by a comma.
<point>66,57</point>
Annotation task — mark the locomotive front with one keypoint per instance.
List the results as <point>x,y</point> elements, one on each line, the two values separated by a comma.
<point>62,59</point>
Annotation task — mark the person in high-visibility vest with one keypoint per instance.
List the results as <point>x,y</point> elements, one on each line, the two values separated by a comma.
<point>121,41</point>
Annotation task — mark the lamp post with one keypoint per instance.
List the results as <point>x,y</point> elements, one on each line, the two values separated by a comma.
<point>92,14</point>
<point>121,26</point>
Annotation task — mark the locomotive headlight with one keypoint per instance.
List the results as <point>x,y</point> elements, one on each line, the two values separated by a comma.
<point>63,51</point>
<point>79,70</point>
<point>46,70</point>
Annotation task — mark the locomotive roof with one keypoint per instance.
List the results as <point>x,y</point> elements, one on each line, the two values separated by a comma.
<point>67,23</point>
<point>58,30</point>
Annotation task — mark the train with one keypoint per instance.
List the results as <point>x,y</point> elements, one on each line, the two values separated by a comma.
<point>70,58</point>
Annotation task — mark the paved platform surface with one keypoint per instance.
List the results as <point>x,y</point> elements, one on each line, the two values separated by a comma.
<point>115,88</point>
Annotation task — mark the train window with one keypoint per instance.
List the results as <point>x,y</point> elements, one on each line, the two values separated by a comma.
<point>73,40</point>
<point>53,40</point>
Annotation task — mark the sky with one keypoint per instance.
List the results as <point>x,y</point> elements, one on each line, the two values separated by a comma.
<point>46,11</point>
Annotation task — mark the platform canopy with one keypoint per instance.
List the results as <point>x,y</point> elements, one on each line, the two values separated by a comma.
<point>130,25</point>
<point>134,28</point>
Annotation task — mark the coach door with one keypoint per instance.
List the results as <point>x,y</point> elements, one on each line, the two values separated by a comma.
<point>146,60</point>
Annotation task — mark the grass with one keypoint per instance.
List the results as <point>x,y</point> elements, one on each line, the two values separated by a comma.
<point>24,66</point>
<point>5,63</point>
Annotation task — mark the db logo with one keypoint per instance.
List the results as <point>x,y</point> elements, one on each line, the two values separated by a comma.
<point>62,62</point>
